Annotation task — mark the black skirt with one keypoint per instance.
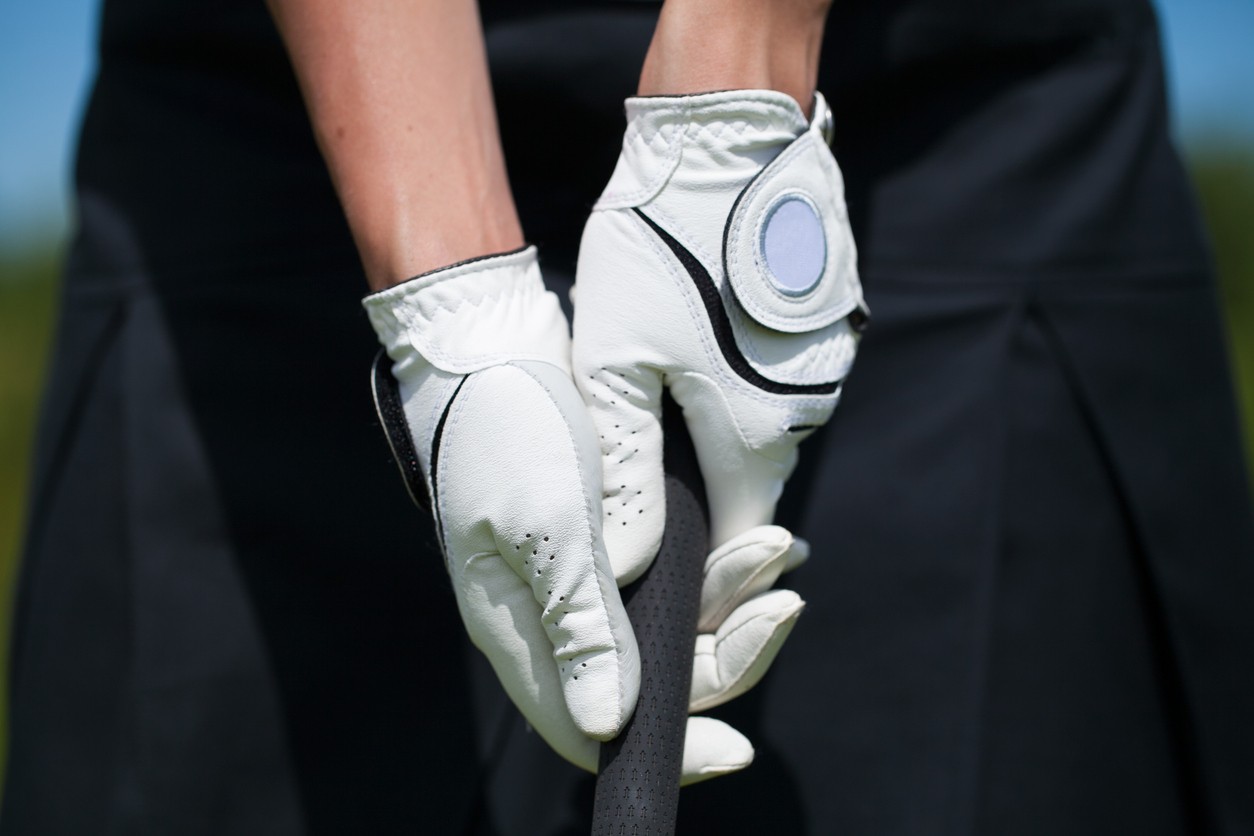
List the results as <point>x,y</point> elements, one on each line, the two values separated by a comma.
<point>1033,546</point>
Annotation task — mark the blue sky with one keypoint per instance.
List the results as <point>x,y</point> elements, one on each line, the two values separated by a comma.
<point>46,61</point>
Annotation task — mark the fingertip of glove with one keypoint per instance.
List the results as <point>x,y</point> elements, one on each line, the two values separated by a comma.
<point>777,605</point>
<point>601,692</point>
<point>632,552</point>
<point>713,748</point>
<point>776,534</point>
<point>765,540</point>
<point>599,733</point>
<point>608,723</point>
<point>798,553</point>
<point>599,725</point>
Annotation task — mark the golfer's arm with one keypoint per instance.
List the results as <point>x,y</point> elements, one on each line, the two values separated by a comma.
<point>704,45</point>
<point>401,104</point>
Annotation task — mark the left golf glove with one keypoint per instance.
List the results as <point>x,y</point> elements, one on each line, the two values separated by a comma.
<point>491,434</point>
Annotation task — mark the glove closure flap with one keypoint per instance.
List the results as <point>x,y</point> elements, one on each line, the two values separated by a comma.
<point>788,251</point>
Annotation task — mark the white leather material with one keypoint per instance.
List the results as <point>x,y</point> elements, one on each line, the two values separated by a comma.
<point>711,748</point>
<point>743,567</point>
<point>502,313</point>
<point>674,292</point>
<point>511,462</point>
<point>510,456</point>
<point>743,622</point>
<point>684,285</point>
<point>743,625</point>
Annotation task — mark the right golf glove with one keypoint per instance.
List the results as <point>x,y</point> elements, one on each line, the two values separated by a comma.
<point>719,264</point>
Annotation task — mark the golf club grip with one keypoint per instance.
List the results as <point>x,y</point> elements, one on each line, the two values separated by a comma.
<point>637,790</point>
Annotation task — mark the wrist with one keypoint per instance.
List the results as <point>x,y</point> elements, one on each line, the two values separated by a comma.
<point>702,46</point>
<point>414,232</point>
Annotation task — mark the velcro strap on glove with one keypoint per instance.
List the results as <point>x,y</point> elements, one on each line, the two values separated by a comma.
<point>787,249</point>
<point>740,176</point>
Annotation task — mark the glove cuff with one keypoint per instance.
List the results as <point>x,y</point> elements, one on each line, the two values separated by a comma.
<point>471,315</point>
<point>762,110</point>
<point>727,135</point>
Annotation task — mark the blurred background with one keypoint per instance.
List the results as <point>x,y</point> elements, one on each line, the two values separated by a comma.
<point>46,62</point>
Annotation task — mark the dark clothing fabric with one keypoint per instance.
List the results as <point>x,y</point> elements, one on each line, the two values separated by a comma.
<point>1033,545</point>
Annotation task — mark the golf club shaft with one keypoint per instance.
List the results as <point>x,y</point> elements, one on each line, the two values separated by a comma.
<point>637,788</point>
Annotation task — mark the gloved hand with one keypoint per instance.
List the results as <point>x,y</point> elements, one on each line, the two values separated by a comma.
<point>491,434</point>
<point>718,263</point>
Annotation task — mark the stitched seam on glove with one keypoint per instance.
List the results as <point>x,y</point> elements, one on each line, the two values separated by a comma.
<point>657,181</point>
<point>696,314</point>
<point>720,323</point>
<point>796,402</point>
<point>391,413</point>
<point>720,615</point>
<point>436,438</point>
<point>738,318</point>
<point>799,405</point>
<point>729,691</point>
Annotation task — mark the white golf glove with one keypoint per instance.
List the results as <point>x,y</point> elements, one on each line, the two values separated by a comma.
<point>486,423</point>
<point>718,263</point>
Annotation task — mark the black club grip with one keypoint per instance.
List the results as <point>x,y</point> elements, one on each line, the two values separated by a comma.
<point>637,791</point>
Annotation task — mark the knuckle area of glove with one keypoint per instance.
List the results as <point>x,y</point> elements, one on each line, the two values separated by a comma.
<point>733,579</point>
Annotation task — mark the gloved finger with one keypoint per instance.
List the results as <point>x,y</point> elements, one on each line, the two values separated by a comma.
<point>625,404</point>
<point>744,566</point>
<point>797,554</point>
<point>743,476</point>
<point>711,748</point>
<point>731,660</point>
<point>502,619</point>
<point>521,529</point>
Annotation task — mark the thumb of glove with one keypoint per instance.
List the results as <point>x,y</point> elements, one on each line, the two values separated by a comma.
<point>624,399</point>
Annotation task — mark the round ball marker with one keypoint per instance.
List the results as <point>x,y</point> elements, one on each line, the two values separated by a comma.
<point>794,246</point>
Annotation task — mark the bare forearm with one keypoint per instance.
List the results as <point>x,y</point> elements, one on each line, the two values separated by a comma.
<point>705,45</point>
<point>401,104</point>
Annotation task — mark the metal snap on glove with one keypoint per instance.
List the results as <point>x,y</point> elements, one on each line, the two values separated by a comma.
<point>718,263</point>
<point>491,434</point>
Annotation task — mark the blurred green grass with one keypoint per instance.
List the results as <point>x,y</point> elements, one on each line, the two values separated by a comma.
<point>1224,176</point>
<point>28,285</point>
